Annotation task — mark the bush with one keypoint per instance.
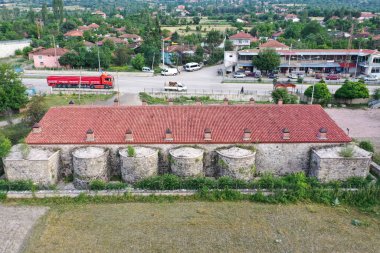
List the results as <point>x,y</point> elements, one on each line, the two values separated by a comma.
<point>5,146</point>
<point>138,62</point>
<point>97,185</point>
<point>376,94</point>
<point>347,151</point>
<point>351,90</point>
<point>282,93</point>
<point>131,151</point>
<point>321,92</point>
<point>19,185</point>
<point>367,145</point>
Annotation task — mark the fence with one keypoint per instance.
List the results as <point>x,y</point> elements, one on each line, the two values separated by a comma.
<point>81,91</point>
<point>236,95</point>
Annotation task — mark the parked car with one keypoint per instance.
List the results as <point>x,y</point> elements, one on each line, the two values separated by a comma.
<point>272,76</point>
<point>239,75</point>
<point>318,75</point>
<point>169,72</point>
<point>371,78</point>
<point>253,74</point>
<point>146,69</point>
<point>293,76</point>
<point>332,77</point>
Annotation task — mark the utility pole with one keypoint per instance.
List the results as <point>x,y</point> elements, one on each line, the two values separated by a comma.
<point>98,58</point>
<point>55,52</point>
<point>163,54</point>
<point>80,82</point>
<point>154,54</point>
<point>312,94</point>
<point>118,90</point>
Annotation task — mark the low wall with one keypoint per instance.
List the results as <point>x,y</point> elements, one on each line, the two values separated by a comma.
<point>216,96</point>
<point>42,170</point>
<point>81,91</point>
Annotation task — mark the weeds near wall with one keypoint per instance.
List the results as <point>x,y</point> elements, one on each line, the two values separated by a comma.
<point>347,151</point>
<point>131,151</point>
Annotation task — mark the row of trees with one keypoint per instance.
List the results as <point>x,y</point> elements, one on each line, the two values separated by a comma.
<point>321,94</point>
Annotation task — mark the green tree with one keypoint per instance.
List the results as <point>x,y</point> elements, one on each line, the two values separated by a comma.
<point>312,27</point>
<point>12,91</point>
<point>138,62</point>
<point>214,38</point>
<point>196,20</point>
<point>70,59</point>
<point>5,146</point>
<point>228,46</point>
<point>351,90</point>
<point>321,92</point>
<point>122,56</point>
<point>267,60</point>
<point>58,10</point>
<point>283,94</point>
<point>68,26</point>
<point>44,13</point>
<point>37,108</point>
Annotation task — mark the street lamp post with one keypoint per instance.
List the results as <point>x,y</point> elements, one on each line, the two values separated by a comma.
<point>312,94</point>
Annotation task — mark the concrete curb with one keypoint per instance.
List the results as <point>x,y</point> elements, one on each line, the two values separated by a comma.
<point>76,193</point>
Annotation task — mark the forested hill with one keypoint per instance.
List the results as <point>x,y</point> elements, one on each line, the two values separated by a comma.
<point>368,5</point>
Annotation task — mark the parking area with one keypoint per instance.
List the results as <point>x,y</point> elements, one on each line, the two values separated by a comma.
<point>362,123</point>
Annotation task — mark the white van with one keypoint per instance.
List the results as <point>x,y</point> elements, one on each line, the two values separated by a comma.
<point>192,66</point>
<point>169,72</point>
<point>146,69</point>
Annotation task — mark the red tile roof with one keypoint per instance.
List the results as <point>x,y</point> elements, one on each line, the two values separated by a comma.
<point>52,52</point>
<point>273,44</point>
<point>74,33</point>
<point>241,35</point>
<point>68,125</point>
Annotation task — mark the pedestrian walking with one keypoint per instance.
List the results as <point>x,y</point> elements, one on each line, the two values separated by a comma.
<point>242,90</point>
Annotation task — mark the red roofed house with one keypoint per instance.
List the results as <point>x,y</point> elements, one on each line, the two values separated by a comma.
<point>48,58</point>
<point>100,13</point>
<point>74,33</point>
<point>292,17</point>
<point>242,39</point>
<point>134,37</point>
<point>274,44</point>
<point>366,16</point>
<point>268,138</point>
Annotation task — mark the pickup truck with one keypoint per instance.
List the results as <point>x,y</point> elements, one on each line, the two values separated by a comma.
<point>175,86</point>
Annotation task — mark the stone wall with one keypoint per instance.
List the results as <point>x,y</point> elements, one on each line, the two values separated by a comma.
<point>327,165</point>
<point>186,161</point>
<point>89,163</point>
<point>39,165</point>
<point>278,159</point>
<point>144,164</point>
<point>237,163</point>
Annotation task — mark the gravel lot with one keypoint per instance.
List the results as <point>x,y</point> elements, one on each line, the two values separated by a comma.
<point>16,223</point>
<point>362,123</point>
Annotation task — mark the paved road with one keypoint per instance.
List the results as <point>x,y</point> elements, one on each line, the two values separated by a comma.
<point>205,80</point>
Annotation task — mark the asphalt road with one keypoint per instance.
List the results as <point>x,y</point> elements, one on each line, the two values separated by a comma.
<point>205,80</point>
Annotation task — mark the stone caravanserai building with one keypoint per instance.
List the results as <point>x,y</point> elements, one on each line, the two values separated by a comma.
<point>135,142</point>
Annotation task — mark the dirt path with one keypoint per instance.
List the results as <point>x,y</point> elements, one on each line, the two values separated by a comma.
<point>124,99</point>
<point>16,223</point>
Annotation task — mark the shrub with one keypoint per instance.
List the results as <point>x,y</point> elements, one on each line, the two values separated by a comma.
<point>351,90</point>
<point>367,145</point>
<point>19,185</point>
<point>321,92</point>
<point>131,151</point>
<point>282,93</point>
<point>376,94</point>
<point>5,146</point>
<point>3,196</point>
<point>97,185</point>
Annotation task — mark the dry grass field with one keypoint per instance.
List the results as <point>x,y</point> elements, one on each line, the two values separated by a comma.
<point>204,227</point>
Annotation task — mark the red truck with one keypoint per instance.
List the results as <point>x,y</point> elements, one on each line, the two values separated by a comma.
<point>93,82</point>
